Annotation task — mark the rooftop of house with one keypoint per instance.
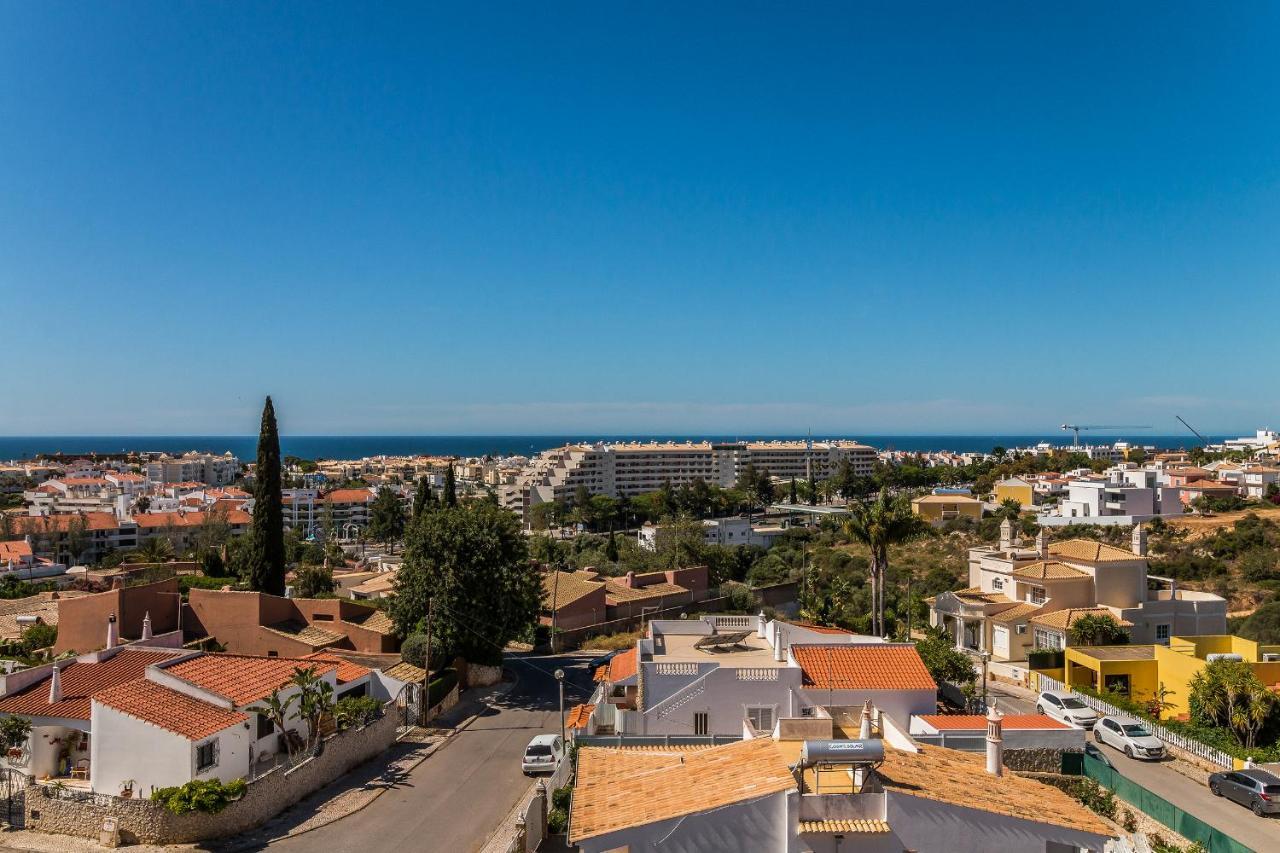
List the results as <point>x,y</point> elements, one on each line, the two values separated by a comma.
<point>405,671</point>
<point>682,648</point>
<point>348,670</point>
<point>43,607</point>
<point>243,678</point>
<point>946,499</point>
<point>619,789</point>
<point>874,666</point>
<point>1105,653</point>
<point>1017,613</point>
<point>312,635</point>
<point>1065,618</point>
<point>560,589</point>
<point>579,716</point>
<point>1089,551</point>
<point>1048,570</point>
<point>978,722</point>
<point>80,679</point>
<point>168,709</point>
<point>620,667</point>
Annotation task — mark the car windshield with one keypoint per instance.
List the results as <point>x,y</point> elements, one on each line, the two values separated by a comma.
<point>1136,730</point>
<point>538,750</point>
<point>1271,789</point>
<point>1073,703</point>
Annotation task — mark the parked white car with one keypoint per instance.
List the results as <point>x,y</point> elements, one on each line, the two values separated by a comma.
<point>1066,708</point>
<point>1130,736</point>
<point>542,755</point>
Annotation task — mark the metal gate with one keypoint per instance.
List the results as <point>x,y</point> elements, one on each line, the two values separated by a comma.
<point>13,790</point>
<point>408,706</point>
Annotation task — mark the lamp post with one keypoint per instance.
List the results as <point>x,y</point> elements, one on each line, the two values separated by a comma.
<point>560,681</point>
<point>986,657</point>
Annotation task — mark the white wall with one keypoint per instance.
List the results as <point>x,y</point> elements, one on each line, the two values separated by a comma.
<point>765,825</point>
<point>924,824</point>
<point>124,748</point>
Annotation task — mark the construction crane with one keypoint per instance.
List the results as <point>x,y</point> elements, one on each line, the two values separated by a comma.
<point>1076,428</point>
<point>1204,441</point>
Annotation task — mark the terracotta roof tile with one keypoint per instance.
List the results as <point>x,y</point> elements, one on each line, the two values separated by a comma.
<point>79,682</point>
<point>1088,551</point>
<point>870,666</point>
<point>618,591</point>
<point>405,671</point>
<point>348,670</point>
<point>25,524</point>
<point>1048,570</point>
<point>978,722</point>
<point>1066,617</point>
<point>170,710</point>
<point>845,827</point>
<point>243,679</point>
<point>579,716</point>
<point>621,667</point>
<point>348,496</point>
<point>566,588</point>
<point>619,789</point>
<point>312,635</point>
<point>376,620</point>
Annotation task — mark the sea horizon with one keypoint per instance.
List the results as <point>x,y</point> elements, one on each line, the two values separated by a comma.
<point>480,444</point>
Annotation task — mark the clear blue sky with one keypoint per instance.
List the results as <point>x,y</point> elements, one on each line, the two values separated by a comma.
<point>626,217</point>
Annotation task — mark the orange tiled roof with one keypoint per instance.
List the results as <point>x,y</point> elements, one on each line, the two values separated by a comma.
<point>186,519</point>
<point>243,678</point>
<point>619,789</point>
<point>822,629</point>
<point>347,670</point>
<point>61,522</point>
<point>858,826</point>
<point>1066,617</point>
<point>1019,611</point>
<point>1050,570</point>
<point>170,710</point>
<point>870,666</point>
<point>1089,551</point>
<point>348,496</point>
<point>978,722</point>
<point>79,682</point>
<point>620,668</point>
<point>579,716</point>
<point>17,551</point>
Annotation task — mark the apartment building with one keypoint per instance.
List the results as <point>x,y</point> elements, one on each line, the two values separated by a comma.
<point>205,468</point>
<point>1023,598</point>
<point>73,494</point>
<point>633,468</point>
<point>1123,494</point>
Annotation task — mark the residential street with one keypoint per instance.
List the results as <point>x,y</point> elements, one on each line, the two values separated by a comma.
<point>455,799</point>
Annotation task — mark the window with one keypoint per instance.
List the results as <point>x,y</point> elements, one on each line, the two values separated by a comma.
<point>1021,629</point>
<point>322,617</point>
<point>206,756</point>
<point>1162,633</point>
<point>1116,683</point>
<point>272,653</point>
<point>761,718</point>
<point>700,723</point>
<point>997,583</point>
<point>266,728</point>
<point>1037,595</point>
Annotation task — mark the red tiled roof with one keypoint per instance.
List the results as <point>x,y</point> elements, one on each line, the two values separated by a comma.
<point>243,678</point>
<point>978,722</point>
<point>170,710</point>
<point>579,716</point>
<point>821,629</point>
<point>17,551</point>
<point>79,682</point>
<point>186,519</point>
<point>348,496</point>
<point>61,522</point>
<point>347,670</point>
<point>620,668</point>
<point>871,666</point>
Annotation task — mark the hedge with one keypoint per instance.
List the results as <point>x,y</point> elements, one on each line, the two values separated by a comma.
<point>439,687</point>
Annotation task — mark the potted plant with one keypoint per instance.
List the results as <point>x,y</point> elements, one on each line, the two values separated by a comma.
<point>126,788</point>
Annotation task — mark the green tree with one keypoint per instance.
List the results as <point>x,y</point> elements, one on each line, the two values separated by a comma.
<point>793,497</point>
<point>264,555</point>
<point>450,487</point>
<point>386,517</point>
<point>1091,630</point>
<point>77,536</point>
<point>313,582</point>
<point>879,524</point>
<point>315,701</point>
<point>421,497</point>
<point>473,564</point>
<point>943,660</point>
<point>1227,693</point>
<point>1263,625</point>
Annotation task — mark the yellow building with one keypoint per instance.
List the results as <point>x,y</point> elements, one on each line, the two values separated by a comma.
<point>1140,671</point>
<point>939,509</point>
<point>1015,489</point>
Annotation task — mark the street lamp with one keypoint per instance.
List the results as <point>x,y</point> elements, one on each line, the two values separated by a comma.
<point>986,658</point>
<point>560,681</point>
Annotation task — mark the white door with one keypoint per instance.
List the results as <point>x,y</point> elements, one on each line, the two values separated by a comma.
<point>1000,641</point>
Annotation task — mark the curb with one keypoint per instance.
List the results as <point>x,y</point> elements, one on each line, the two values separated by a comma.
<point>461,727</point>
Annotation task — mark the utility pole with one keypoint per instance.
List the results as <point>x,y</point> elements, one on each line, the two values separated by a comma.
<point>426,666</point>
<point>560,681</point>
<point>555,605</point>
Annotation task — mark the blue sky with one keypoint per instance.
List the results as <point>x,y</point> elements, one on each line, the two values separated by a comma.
<point>635,217</point>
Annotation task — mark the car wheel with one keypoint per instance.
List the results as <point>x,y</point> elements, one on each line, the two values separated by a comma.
<point>1215,790</point>
<point>1128,752</point>
<point>1039,709</point>
<point>1097,735</point>
<point>1257,808</point>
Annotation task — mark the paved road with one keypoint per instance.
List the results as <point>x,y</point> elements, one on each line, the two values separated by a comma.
<point>455,799</point>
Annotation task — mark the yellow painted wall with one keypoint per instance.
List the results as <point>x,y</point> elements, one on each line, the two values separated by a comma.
<point>1024,495</point>
<point>1091,672</point>
<point>932,512</point>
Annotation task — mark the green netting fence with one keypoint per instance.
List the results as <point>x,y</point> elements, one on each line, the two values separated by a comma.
<point>1188,826</point>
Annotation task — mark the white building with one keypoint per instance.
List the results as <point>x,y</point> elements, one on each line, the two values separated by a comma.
<point>1123,494</point>
<point>205,468</point>
<point>733,530</point>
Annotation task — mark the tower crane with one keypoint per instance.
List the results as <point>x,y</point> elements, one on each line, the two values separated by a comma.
<point>1076,428</point>
<point>1204,441</point>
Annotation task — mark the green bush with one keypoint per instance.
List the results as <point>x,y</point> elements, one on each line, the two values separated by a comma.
<point>210,796</point>
<point>1045,658</point>
<point>445,680</point>
<point>414,649</point>
<point>558,816</point>
<point>353,711</point>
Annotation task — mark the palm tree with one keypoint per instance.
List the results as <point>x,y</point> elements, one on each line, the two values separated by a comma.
<point>277,709</point>
<point>879,524</point>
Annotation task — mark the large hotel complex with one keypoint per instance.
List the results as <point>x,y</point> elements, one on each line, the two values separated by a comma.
<point>633,468</point>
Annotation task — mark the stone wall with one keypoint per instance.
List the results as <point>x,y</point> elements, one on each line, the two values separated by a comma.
<point>479,675</point>
<point>145,822</point>
<point>1034,760</point>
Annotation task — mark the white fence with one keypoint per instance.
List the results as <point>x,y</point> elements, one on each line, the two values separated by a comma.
<point>1201,750</point>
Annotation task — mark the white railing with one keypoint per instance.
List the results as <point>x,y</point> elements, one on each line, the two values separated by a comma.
<point>738,622</point>
<point>1201,750</point>
<point>757,674</point>
<point>676,669</point>
<point>680,697</point>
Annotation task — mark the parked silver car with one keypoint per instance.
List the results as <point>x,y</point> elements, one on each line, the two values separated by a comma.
<point>1130,736</point>
<point>1253,788</point>
<point>542,755</point>
<point>1066,708</point>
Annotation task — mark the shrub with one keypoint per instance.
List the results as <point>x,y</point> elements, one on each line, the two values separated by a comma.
<point>210,796</point>
<point>445,680</point>
<point>414,649</point>
<point>14,730</point>
<point>558,816</point>
<point>39,636</point>
<point>1096,798</point>
<point>739,597</point>
<point>353,711</point>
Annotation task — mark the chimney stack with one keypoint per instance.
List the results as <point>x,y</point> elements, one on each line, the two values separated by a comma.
<point>1006,535</point>
<point>113,634</point>
<point>995,742</point>
<point>864,728</point>
<point>55,685</point>
<point>761,625</point>
<point>146,626</point>
<point>1042,545</point>
<point>1139,540</point>
<point>779,647</point>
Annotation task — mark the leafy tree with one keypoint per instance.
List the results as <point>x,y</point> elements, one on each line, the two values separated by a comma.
<point>157,549</point>
<point>473,564</point>
<point>39,636</point>
<point>794,496</point>
<point>280,710</point>
<point>313,582</point>
<point>1263,625</point>
<point>1091,630</point>
<point>77,536</point>
<point>315,700</point>
<point>878,524</point>
<point>942,659</point>
<point>1227,693</point>
<point>386,518</point>
<point>611,552</point>
<point>421,497</point>
<point>450,497</point>
<point>264,555</point>
<point>414,650</point>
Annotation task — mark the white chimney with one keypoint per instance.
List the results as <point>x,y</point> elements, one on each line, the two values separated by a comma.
<point>995,743</point>
<point>779,647</point>
<point>1042,545</point>
<point>864,728</point>
<point>146,626</point>
<point>113,635</point>
<point>1006,535</point>
<point>55,685</point>
<point>1139,540</point>
<point>761,624</point>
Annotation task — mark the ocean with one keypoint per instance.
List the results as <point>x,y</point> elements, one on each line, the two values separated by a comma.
<point>357,446</point>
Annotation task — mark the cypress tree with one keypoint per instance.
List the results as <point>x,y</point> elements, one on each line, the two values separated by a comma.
<point>793,491</point>
<point>450,487</point>
<point>421,497</point>
<point>264,558</point>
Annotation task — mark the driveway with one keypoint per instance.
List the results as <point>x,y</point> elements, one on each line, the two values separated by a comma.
<point>455,799</point>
